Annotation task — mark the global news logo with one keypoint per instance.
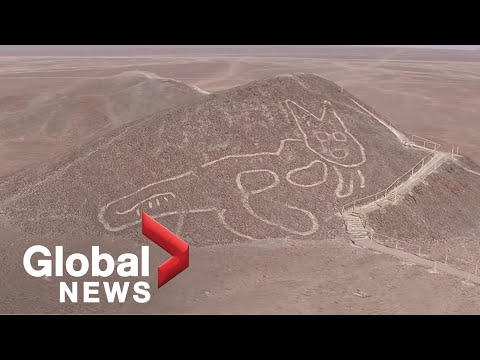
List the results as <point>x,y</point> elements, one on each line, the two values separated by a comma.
<point>103,265</point>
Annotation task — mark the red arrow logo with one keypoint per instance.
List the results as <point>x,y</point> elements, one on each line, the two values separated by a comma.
<point>170,242</point>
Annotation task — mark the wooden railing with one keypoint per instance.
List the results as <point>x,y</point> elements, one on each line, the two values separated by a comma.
<point>425,143</point>
<point>390,189</point>
<point>406,245</point>
<point>414,248</point>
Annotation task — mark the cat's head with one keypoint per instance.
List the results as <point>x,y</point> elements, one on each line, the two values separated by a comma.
<point>327,136</point>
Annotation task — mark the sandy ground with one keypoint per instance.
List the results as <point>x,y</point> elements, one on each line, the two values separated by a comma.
<point>432,94</point>
<point>331,278</point>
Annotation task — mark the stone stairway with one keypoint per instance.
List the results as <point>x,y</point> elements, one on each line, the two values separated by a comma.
<point>392,197</point>
<point>361,237</point>
<point>355,227</point>
<point>353,218</point>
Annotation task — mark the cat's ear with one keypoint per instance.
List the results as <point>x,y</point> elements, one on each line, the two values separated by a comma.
<point>305,119</point>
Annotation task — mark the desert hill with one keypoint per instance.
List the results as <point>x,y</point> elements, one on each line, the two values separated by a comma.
<point>58,119</point>
<point>273,159</point>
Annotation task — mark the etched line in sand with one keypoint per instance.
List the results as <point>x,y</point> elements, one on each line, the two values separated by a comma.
<point>332,146</point>
<point>150,205</point>
<point>153,76</point>
<point>180,222</point>
<point>276,181</point>
<point>277,152</point>
<point>308,137</point>
<point>221,216</point>
<point>294,171</point>
<point>340,185</point>
<point>107,226</point>
<point>400,136</point>
<point>467,169</point>
<point>362,178</point>
<point>361,148</point>
<point>196,211</point>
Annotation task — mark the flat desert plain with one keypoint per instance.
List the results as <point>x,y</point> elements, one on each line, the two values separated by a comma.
<point>429,93</point>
